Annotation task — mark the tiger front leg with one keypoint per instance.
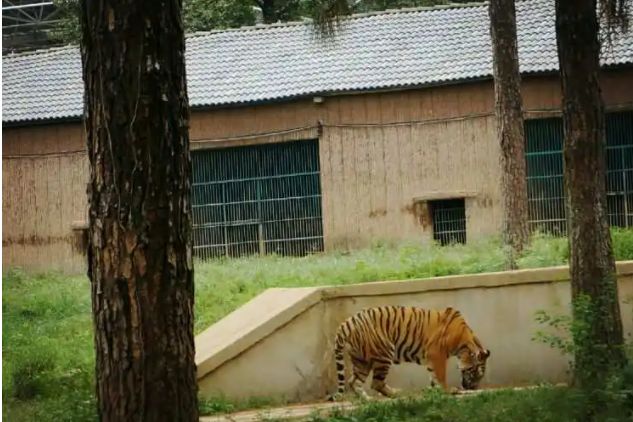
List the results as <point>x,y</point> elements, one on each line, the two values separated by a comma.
<point>379,380</point>
<point>437,368</point>
<point>432,378</point>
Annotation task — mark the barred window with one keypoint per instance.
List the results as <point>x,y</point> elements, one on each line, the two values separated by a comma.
<point>544,160</point>
<point>258,199</point>
<point>449,221</point>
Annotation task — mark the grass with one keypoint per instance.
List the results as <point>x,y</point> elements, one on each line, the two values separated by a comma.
<point>543,404</point>
<point>220,405</point>
<point>48,359</point>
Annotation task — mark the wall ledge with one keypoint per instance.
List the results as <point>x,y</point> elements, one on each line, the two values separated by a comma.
<point>465,281</point>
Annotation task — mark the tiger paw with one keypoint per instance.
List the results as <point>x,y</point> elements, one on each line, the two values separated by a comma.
<point>335,397</point>
<point>364,397</point>
<point>393,392</point>
<point>454,390</point>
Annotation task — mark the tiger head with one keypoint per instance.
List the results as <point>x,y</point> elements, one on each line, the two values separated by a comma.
<point>472,364</point>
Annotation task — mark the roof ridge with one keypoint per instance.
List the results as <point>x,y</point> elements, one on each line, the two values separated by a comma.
<point>40,51</point>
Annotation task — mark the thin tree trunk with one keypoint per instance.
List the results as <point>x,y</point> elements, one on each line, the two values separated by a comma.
<point>592,265</point>
<point>139,260</point>
<point>268,11</point>
<point>510,131</point>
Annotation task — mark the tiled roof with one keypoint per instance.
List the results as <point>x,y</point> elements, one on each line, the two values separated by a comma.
<point>411,47</point>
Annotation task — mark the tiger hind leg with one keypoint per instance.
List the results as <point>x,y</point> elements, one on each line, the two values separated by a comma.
<point>381,369</point>
<point>360,372</point>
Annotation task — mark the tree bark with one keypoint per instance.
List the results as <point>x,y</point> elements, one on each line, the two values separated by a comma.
<point>140,249</point>
<point>592,264</point>
<point>268,11</point>
<point>510,130</point>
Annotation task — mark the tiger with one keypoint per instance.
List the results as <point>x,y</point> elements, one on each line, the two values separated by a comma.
<point>375,338</point>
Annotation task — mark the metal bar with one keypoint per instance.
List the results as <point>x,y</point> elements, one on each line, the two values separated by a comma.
<point>260,238</point>
<point>26,6</point>
<point>253,222</point>
<point>19,10</point>
<point>18,19</point>
<point>552,220</point>
<point>625,195</point>
<point>226,239</point>
<point>249,179</point>
<point>255,201</point>
<point>294,238</point>
<point>22,25</point>
<point>541,153</point>
<point>549,176</point>
<point>256,242</point>
<point>213,245</point>
<point>450,231</point>
<point>260,227</point>
<point>226,224</point>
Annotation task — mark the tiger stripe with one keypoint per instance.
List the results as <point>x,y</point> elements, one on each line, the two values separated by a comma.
<point>375,338</point>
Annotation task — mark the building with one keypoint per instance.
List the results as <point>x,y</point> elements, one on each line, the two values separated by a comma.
<point>299,144</point>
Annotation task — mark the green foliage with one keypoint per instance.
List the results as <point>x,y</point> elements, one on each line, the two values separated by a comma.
<point>546,250</point>
<point>67,30</point>
<point>605,386</point>
<point>203,15</point>
<point>560,339</point>
<point>622,243</point>
<point>327,14</point>
<point>375,5</point>
<point>206,15</point>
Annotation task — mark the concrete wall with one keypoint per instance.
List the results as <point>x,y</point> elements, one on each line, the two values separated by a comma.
<point>378,152</point>
<point>279,355</point>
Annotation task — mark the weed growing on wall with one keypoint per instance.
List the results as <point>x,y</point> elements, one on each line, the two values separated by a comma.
<point>605,389</point>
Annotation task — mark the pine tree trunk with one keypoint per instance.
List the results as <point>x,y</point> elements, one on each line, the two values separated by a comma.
<point>592,264</point>
<point>510,130</point>
<point>139,254</point>
<point>268,11</point>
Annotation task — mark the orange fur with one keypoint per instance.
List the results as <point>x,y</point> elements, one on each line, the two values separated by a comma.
<point>376,338</point>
